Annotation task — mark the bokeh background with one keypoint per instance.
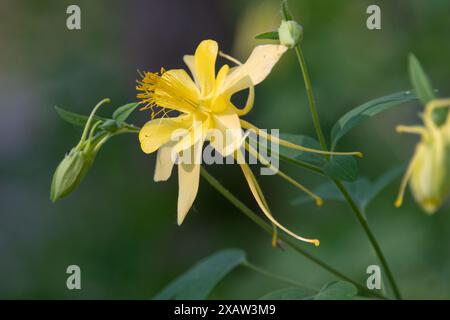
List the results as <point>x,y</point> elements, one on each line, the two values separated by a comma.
<point>120,226</point>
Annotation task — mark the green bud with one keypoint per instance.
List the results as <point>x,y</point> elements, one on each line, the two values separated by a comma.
<point>69,173</point>
<point>71,170</point>
<point>290,33</point>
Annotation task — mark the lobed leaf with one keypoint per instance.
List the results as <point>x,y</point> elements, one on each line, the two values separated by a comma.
<point>337,290</point>
<point>423,88</point>
<point>363,191</point>
<point>342,168</point>
<point>76,119</point>
<point>198,282</point>
<point>420,81</point>
<point>289,294</point>
<point>122,113</point>
<point>305,141</point>
<point>369,109</point>
<point>339,167</point>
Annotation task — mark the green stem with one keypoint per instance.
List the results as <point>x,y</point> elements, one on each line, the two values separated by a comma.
<point>362,220</point>
<point>320,135</point>
<point>276,277</point>
<point>87,127</point>
<point>312,104</point>
<point>289,241</point>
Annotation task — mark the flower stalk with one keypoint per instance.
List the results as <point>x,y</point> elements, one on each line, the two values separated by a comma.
<point>286,239</point>
<point>341,187</point>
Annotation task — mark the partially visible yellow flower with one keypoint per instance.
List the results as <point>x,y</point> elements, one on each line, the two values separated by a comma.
<point>193,110</point>
<point>429,170</point>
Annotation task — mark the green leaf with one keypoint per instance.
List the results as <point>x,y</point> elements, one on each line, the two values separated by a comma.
<point>304,141</point>
<point>423,88</point>
<point>109,125</point>
<point>420,81</point>
<point>363,191</point>
<point>200,280</point>
<point>357,115</point>
<point>307,160</point>
<point>342,168</point>
<point>339,167</point>
<point>285,12</point>
<point>327,191</point>
<point>338,290</point>
<point>271,35</point>
<point>382,182</point>
<point>289,294</point>
<point>122,113</point>
<point>75,118</point>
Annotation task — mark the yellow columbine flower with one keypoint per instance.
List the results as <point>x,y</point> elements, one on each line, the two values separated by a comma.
<point>201,106</point>
<point>429,170</point>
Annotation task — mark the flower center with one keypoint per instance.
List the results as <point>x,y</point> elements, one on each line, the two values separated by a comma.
<point>162,92</point>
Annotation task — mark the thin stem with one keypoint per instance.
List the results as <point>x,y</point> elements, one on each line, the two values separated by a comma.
<point>358,213</point>
<point>362,220</point>
<point>287,240</point>
<point>90,119</point>
<point>276,277</point>
<point>312,104</point>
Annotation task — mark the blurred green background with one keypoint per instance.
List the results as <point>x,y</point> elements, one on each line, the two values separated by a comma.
<point>120,226</point>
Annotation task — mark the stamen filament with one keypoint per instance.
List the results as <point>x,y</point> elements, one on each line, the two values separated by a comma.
<point>162,90</point>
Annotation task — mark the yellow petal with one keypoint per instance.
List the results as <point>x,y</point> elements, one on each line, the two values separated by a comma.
<point>184,82</point>
<point>164,163</point>
<point>188,181</point>
<point>196,132</point>
<point>189,60</point>
<point>159,131</point>
<point>229,136</point>
<point>205,65</point>
<point>222,75</point>
<point>255,69</point>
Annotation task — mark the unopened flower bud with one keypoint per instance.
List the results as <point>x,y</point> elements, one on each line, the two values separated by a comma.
<point>69,173</point>
<point>73,167</point>
<point>290,33</point>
